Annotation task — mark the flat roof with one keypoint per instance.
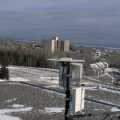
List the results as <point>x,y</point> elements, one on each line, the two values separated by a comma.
<point>65,60</point>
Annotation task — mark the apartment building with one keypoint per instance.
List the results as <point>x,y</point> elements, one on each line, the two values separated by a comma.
<point>56,45</point>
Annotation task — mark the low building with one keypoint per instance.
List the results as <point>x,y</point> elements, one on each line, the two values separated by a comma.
<point>36,46</point>
<point>97,54</point>
<point>56,45</point>
<point>106,64</point>
<point>96,69</point>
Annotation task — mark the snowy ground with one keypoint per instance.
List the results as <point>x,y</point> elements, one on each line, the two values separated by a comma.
<point>33,74</point>
<point>16,108</point>
<point>13,105</point>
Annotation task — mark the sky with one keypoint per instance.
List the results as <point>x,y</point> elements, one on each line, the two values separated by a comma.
<point>89,22</point>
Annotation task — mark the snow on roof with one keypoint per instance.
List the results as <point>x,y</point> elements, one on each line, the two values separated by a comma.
<point>102,65</point>
<point>105,63</point>
<point>99,64</point>
<point>97,52</point>
<point>94,66</point>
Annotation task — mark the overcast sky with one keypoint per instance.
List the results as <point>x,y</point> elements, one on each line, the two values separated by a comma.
<point>80,21</point>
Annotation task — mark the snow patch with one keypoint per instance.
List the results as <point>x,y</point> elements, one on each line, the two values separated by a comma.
<point>91,88</point>
<point>1,80</point>
<point>6,117</point>
<point>109,90</point>
<point>50,79</point>
<point>52,110</point>
<point>104,89</point>
<point>115,109</point>
<point>17,107</point>
<point>10,100</point>
<point>18,79</point>
<point>15,110</point>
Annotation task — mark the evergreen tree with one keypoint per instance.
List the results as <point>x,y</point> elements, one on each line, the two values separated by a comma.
<point>41,62</point>
<point>4,73</point>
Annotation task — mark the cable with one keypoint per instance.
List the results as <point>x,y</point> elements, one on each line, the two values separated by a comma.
<point>117,83</point>
<point>108,115</point>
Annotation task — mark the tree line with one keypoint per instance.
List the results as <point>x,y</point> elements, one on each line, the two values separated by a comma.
<point>38,58</point>
<point>22,59</point>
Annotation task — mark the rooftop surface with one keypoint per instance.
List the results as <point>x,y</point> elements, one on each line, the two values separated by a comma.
<point>34,94</point>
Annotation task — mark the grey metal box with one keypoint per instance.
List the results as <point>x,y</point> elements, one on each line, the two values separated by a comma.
<point>76,74</point>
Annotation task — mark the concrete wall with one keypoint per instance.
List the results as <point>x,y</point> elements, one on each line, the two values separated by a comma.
<point>66,45</point>
<point>63,45</point>
<point>54,45</point>
<point>47,44</point>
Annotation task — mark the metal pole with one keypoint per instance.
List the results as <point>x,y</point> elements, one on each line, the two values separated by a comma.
<point>30,62</point>
<point>67,105</point>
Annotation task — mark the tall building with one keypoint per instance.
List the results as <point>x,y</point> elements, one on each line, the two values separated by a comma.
<point>56,45</point>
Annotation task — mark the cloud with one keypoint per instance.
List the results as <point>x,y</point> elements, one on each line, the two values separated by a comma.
<point>78,20</point>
